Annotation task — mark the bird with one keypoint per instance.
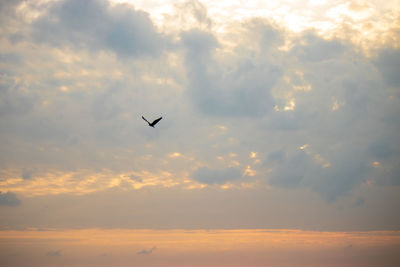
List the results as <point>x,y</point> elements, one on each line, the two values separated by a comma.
<point>153,123</point>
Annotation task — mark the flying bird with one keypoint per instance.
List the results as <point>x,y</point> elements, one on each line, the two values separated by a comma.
<point>153,123</point>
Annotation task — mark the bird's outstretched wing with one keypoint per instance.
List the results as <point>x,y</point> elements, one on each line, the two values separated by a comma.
<point>146,120</point>
<point>155,121</point>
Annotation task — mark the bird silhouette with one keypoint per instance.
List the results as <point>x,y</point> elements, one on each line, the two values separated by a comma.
<point>153,123</point>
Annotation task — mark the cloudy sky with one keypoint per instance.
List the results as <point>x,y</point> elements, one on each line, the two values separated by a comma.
<point>276,115</point>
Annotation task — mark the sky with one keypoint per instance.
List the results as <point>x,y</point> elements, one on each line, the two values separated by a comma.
<point>280,122</point>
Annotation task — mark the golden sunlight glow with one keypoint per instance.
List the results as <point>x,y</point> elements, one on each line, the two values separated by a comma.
<point>347,19</point>
<point>305,88</point>
<point>376,164</point>
<point>322,161</point>
<point>235,163</point>
<point>303,147</point>
<point>249,171</point>
<point>174,155</point>
<point>64,88</point>
<point>82,181</point>
<point>222,128</point>
<point>335,105</point>
<point>253,155</point>
<point>232,140</point>
<point>28,12</point>
<point>291,105</point>
<point>226,186</point>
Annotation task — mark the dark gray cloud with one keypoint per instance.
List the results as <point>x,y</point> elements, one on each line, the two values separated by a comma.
<point>312,48</point>
<point>14,100</point>
<point>388,63</point>
<point>290,169</point>
<point>276,156</point>
<point>10,58</point>
<point>359,202</point>
<point>384,148</point>
<point>27,174</point>
<point>341,169</point>
<point>237,88</point>
<point>347,117</point>
<point>96,24</point>
<point>135,178</point>
<point>388,173</point>
<point>344,174</point>
<point>216,176</point>
<point>8,10</point>
<point>54,253</point>
<point>290,121</point>
<point>199,45</point>
<point>146,252</point>
<point>9,199</point>
<point>393,174</point>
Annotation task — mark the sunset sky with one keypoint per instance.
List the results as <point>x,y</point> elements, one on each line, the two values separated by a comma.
<point>279,143</point>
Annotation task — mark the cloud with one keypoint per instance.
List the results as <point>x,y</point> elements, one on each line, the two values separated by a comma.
<point>135,178</point>
<point>70,116</point>
<point>388,63</point>
<point>343,175</point>
<point>146,252</point>
<point>344,99</point>
<point>383,148</point>
<point>331,177</point>
<point>7,10</point>
<point>193,13</point>
<point>314,49</point>
<point>98,25</point>
<point>359,202</point>
<point>105,107</point>
<point>289,170</point>
<point>54,253</point>
<point>27,174</point>
<point>216,176</point>
<point>199,44</point>
<point>9,199</point>
<point>238,78</point>
<point>238,87</point>
<point>14,100</point>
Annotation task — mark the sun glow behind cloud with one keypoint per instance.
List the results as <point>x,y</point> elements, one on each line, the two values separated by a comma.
<point>348,19</point>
